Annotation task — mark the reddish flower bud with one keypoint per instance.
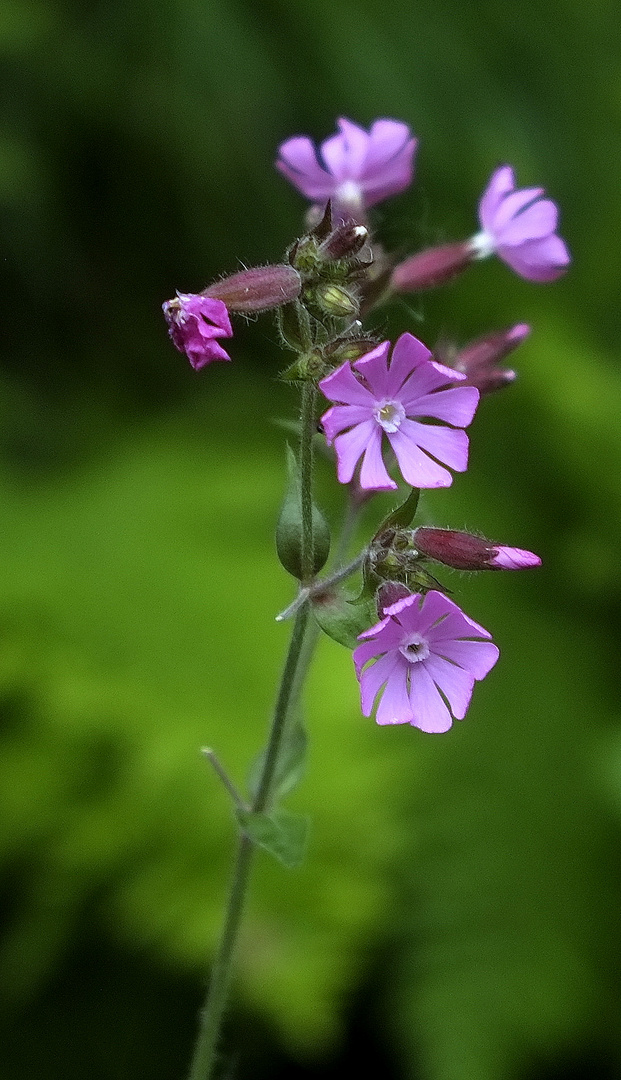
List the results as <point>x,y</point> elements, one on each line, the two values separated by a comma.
<point>257,289</point>
<point>432,267</point>
<point>464,551</point>
<point>344,242</point>
<point>478,360</point>
<point>388,593</point>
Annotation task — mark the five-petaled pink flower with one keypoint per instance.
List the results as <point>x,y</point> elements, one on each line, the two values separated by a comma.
<point>357,168</point>
<point>427,654</point>
<point>376,400</point>
<point>194,322</point>
<point>520,227</point>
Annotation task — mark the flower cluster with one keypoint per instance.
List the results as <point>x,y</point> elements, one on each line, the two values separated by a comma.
<point>396,414</point>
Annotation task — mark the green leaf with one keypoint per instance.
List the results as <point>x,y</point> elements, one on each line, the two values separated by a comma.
<point>289,527</point>
<point>283,834</point>
<point>290,766</point>
<point>342,618</point>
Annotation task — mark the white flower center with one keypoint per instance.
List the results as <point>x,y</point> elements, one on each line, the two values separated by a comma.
<point>415,649</point>
<point>482,245</point>
<point>349,194</point>
<point>389,415</point>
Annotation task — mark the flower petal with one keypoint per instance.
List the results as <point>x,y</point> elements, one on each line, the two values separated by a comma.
<point>477,657</point>
<point>447,445</point>
<point>373,473</point>
<point>344,154</point>
<point>410,355</point>
<point>456,406</point>
<point>456,683</point>
<point>394,705</point>
<point>350,446</point>
<point>538,260</point>
<point>298,162</point>
<point>428,707</point>
<point>501,182</point>
<point>512,204</point>
<point>373,366</point>
<point>417,469</point>
<point>373,678</point>
<point>340,417</point>
<point>343,386</point>
<point>534,223</point>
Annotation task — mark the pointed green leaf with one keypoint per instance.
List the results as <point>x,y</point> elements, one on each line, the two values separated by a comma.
<point>403,515</point>
<point>289,527</point>
<point>281,833</point>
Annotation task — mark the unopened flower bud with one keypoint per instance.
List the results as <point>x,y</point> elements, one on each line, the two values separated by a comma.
<point>432,267</point>
<point>348,348</point>
<point>344,242</point>
<point>479,359</point>
<point>464,551</point>
<point>336,301</point>
<point>388,593</point>
<point>257,289</point>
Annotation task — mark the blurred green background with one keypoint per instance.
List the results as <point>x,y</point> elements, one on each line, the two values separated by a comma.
<point>459,914</point>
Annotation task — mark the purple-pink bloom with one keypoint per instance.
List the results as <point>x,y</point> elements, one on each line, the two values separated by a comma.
<point>428,655</point>
<point>520,227</point>
<point>376,400</point>
<point>194,322</point>
<point>357,169</point>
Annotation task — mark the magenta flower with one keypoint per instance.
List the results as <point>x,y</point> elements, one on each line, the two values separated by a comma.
<point>376,400</point>
<point>357,168</point>
<point>427,654</point>
<point>194,322</point>
<point>520,227</point>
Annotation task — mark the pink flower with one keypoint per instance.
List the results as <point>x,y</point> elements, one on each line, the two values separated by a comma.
<point>427,654</point>
<point>194,322</point>
<point>377,400</point>
<point>520,227</point>
<point>358,168</point>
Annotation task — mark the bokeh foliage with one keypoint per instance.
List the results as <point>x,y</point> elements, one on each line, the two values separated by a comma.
<point>138,501</point>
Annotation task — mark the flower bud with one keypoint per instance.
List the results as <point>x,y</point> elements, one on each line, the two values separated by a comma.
<point>257,289</point>
<point>432,267</point>
<point>336,301</point>
<point>344,242</point>
<point>388,593</point>
<point>463,551</point>
<point>478,360</point>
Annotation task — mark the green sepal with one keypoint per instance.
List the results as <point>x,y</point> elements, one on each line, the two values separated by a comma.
<point>294,325</point>
<point>342,617</point>
<point>289,527</point>
<point>290,766</point>
<point>281,833</point>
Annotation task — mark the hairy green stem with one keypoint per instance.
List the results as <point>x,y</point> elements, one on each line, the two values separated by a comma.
<point>296,665</point>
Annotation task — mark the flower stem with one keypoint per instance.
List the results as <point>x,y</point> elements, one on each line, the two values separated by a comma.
<point>307,427</point>
<point>296,664</point>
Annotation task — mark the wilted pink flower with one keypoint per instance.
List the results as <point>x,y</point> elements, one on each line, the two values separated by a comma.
<point>194,322</point>
<point>376,400</point>
<point>427,654</point>
<point>520,227</point>
<point>357,168</point>
<point>464,551</point>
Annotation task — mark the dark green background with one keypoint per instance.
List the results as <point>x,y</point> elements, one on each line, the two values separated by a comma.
<point>459,912</point>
